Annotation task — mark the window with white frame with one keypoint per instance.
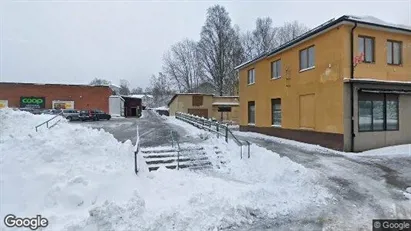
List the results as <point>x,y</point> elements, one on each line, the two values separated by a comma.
<point>251,112</point>
<point>251,76</point>
<point>276,69</point>
<point>367,47</point>
<point>276,112</point>
<point>394,49</point>
<point>307,58</point>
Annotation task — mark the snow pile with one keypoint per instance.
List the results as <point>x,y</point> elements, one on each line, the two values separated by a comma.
<point>397,151</point>
<point>161,108</point>
<point>57,172</point>
<point>192,131</point>
<point>306,146</point>
<point>82,179</point>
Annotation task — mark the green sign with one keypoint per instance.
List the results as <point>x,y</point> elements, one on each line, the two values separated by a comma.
<point>32,102</point>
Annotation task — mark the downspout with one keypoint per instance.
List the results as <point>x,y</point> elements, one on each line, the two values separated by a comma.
<point>352,87</point>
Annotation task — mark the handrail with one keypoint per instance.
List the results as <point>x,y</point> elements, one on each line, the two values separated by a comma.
<point>207,124</point>
<point>175,140</point>
<point>47,121</point>
<point>136,151</point>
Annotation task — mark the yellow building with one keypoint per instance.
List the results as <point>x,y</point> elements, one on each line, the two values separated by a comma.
<point>222,108</point>
<point>310,89</point>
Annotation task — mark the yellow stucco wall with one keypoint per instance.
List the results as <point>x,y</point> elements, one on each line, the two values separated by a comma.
<point>184,102</point>
<point>324,83</point>
<point>332,64</point>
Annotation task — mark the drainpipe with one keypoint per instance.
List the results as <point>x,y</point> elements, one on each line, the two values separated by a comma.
<point>352,87</point>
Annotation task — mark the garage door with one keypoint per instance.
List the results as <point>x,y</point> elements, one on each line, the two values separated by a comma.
<point>198,112</point>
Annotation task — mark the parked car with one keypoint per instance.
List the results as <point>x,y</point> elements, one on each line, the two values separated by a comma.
<point>93,115</point>
<point>51,111</point>
<point>71,114</point>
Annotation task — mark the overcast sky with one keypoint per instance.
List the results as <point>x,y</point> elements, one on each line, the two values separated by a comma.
<point>76,41</point>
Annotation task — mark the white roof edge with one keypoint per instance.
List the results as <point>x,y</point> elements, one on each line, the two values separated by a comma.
<point>374,80</point>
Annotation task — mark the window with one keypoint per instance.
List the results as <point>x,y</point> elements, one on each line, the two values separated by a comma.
<point>224,109</point>
<point>307,58</point>
<point>197,100</point>
<point>276,69</point>
<point>394,52</point>
<point>251,76</point>
<point>366,46</point>
<point>276,112</point>
<point>377,112</point>
<point>251,112</point>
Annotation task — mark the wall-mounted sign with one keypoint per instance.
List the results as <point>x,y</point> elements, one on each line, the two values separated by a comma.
<point>62,104</point>
<point>4,103</point>
<point>32,102</point>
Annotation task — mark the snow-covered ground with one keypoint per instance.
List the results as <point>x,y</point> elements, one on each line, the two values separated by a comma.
<point>82,178</point>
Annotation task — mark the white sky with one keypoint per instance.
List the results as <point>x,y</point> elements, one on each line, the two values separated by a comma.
<point>76,41</point>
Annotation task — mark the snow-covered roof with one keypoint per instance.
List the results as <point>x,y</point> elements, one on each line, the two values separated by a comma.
<point>140,96</point>
<point>226,96</point>
<point>161,108</point>
<point>365,80</point>
<point>114,85</point>
<point>225,104</point>
<point>374,20</point>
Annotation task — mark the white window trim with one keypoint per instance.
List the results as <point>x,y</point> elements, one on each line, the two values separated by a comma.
<point>255,114</point>
<point>251,84</point>
<point>307,69</point>
<point>276,125</point>
<point>275,77</point>
<point>248,76</point>
<point>251,124</point>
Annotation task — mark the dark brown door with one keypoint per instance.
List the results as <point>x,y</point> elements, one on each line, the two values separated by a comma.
<point>198,112</point>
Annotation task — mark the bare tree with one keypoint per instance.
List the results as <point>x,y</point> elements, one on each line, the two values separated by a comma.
<point>290,31</point>
<point>137,90</point>
<point>182,64</point>
<point>217,44</point>
<point>264,35</point>
<point>160,89</point>
<point>99,82</point>
<point>124,87</point>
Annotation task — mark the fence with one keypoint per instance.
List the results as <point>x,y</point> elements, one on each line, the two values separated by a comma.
<point>49,120</point>
<point>136,151</point>
<point>219,129</point>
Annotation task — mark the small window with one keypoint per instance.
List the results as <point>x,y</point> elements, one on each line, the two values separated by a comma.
<point>197,100</point>
<point>276,69</point>
<point>366,46</point>
<point>276,112</point>
<point>251,76</point>
<point>224,109</point>
<point>307,58</point>
<point>251,112</point>
<point>377,112</point>
<point>394,52</point>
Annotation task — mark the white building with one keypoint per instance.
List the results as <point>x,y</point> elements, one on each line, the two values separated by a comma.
<point>116,105</point>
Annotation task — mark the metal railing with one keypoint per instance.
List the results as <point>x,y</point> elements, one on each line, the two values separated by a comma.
<point>176,144</point>
<point>136,151</point>
<point>215,127</point>
<point>47,122</point>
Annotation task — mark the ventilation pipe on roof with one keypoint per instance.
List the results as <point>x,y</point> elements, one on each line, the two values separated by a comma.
<point>352,87</point>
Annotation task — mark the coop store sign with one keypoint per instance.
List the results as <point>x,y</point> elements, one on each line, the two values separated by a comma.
<point>32,102</point>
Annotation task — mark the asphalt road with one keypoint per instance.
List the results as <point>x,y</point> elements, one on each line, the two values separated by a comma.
<point>153,130</point>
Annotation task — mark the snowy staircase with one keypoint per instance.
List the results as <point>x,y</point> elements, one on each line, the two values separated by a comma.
<point>194,158</point>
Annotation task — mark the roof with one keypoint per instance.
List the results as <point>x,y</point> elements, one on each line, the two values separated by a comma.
<point>175,96</point>
<point>54,84</point>
<point>141,96</point>
<point>366,20</point>
<point>225,104</point>
<point>377,81</point>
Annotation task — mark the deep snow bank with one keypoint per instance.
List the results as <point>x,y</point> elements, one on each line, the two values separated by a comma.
<point>82,179</point>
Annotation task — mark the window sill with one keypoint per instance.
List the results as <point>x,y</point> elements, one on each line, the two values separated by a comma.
<point>307,69</point>
<point>378,131</point>
<point>250,84</point>
<point>275,78</point>
<point>251,124</point>
<point>395,65</point>
<point>276,126</point>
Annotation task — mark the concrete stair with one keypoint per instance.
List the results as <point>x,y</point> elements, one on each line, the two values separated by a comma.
<point>193,158</point>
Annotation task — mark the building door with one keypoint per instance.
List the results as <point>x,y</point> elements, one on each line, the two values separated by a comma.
<point>133,111</point>
<point>198,112</point>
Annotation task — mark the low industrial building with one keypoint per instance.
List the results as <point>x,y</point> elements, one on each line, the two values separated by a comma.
<point>116,105</point>
<point>132,106</point>
<point>54,96</point>
<point>222,108</point>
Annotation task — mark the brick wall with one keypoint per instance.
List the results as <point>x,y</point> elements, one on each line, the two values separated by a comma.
<point>84,97</point>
